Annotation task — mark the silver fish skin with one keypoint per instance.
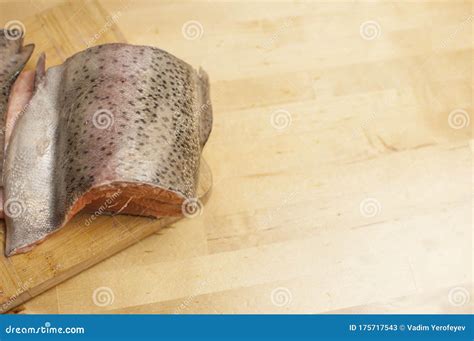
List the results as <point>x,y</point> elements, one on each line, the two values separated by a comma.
<point>13,58</point>
<point>114,118</point>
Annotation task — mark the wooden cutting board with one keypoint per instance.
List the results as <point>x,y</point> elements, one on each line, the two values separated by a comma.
<point>77,246</point>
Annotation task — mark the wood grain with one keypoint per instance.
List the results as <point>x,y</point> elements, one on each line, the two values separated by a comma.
<point>83,242</point>
<point>369,119</point>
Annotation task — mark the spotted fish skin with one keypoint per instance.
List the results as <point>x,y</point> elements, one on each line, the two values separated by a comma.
<point>13,57</point>
<point>113,118</point>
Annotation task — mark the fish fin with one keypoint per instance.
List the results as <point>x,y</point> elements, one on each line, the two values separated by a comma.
<point>27,51</point>
<point>40,69</point>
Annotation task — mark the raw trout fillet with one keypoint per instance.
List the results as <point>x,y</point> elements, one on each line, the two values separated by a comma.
<point>13,57</point>
<point>117,128</point>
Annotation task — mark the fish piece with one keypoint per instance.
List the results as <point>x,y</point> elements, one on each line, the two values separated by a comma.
<point>116,128</point>
<point>13,58</point>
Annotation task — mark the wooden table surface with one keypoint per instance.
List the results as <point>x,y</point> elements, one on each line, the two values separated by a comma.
<point>342,160</point>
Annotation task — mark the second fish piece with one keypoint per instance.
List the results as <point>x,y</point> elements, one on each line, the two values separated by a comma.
<point>13,57</point>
